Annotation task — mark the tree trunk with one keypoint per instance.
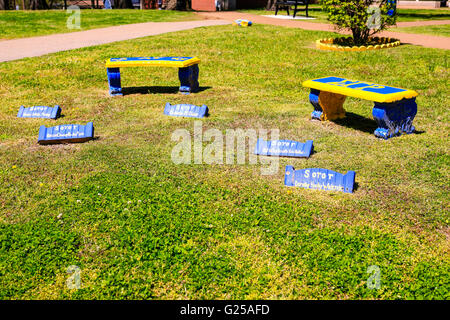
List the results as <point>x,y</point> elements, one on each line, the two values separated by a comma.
<point>360,36</point>
<point>123,4</point>
<point>171,5</point>
<point>4,4</point>
<point>38,4</point>
<point>178,5</point>
<point>270,4</point>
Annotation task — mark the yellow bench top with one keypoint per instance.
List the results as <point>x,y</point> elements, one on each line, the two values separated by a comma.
<point>360,89</point>
<point>175,62</point>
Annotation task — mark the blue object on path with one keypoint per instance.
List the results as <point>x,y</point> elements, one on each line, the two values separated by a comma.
<point>186,110</point>
<point>319,179</point>
<point>39,112</point>
<point>242,23</point>
<point>284,148</point>
<point>107,4</point>
<point>66,133</point>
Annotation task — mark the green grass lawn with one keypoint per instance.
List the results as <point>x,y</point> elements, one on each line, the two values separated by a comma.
<point>438,30</point>
<point>19,24</point>
<point>423,14</point>
<point>139,226</point>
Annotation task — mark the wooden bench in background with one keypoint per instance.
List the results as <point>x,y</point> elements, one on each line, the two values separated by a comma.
<point>287,4</point>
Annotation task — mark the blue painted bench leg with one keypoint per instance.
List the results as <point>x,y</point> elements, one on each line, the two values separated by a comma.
<point>115,89</point>
<point>188,79</point>
<point>314,99</point>
<point>394,118</point>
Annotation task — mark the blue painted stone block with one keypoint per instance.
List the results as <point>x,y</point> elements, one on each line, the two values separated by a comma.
<point>115,87</point>
<point>319,179</point>
<point>66,133</point>
<point>188,79</point>
<point>394,118</point>
<point>39,112</point>
<point>284,148</point>
<point>314,99</point>
<point>186,110</point>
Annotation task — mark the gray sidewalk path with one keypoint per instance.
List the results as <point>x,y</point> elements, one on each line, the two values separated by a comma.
<point>37,46</point>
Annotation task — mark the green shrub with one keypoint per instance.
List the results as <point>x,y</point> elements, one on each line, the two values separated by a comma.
<point>363,18</point>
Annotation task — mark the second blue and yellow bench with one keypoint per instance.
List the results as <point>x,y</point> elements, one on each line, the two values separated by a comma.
<point>187,70</point>
<point>394,110</point>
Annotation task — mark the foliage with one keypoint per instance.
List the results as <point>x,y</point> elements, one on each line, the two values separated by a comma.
<point>30,4</point>
<point>363,18</point>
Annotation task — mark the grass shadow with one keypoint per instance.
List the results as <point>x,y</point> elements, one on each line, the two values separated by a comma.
<point>424,16</point>
<point>155,89</point>
<point>355,121</point>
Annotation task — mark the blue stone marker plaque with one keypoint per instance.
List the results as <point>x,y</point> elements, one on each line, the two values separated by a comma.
<point>319,179</point>
<point>284,148</point>
<point>39,112</point>
<point>66,133</point>
<point>186,110</point>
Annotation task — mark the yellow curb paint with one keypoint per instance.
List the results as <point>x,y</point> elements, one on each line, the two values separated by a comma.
<point>384,43</point>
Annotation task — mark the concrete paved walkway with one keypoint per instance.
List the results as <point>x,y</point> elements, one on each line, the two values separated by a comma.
<point>416,39</point>
<point>37,46</point>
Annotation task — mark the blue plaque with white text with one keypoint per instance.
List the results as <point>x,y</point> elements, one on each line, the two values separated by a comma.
<point>186,110</point>
<point>319,179</point>
<point>284,148</point>
<point>39,112</point>
<point>66,133</point>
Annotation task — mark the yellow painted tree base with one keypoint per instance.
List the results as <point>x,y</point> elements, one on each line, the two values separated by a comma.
<point>384,43</point>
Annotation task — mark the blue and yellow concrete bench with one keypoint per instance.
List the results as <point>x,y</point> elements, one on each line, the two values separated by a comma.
<point>394,109</point>
<point>187,70</point>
